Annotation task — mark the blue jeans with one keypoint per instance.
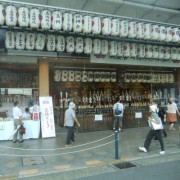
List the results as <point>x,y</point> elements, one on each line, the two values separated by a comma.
<point>117,122</point>
<point>70,134</point>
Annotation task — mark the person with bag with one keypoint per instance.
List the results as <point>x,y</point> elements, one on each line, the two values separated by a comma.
<point>118,115</point>
<point>155,130</point>
<point>17,116</point>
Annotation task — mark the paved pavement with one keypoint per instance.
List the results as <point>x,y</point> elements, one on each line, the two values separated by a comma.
<point>91,150</point>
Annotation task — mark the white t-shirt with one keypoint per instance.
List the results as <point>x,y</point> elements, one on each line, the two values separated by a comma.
<point>120,106</point>
<point>172,108</point>
<point>16,113</point>
<point>26,115</point>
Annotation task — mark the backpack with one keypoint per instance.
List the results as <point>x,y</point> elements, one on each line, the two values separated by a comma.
<point>117,110</point>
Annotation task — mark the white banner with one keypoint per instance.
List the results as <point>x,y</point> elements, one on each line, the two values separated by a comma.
<point>47,117</point>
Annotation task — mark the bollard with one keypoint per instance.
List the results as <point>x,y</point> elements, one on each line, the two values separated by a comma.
<point>116,143</point>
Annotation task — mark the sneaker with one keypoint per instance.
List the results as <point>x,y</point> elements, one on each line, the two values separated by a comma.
<point>143,149</point>
<point>68,145</point>
<point>21,141</point>
<point>162,152</point>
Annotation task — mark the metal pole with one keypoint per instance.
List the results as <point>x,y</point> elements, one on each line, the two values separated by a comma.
<point>116,143</point>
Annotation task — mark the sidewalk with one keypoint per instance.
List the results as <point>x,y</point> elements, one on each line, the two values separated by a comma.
<point>45,156</point>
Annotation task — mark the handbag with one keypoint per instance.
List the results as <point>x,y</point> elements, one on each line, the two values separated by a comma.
<point>22,130</point>
<point>156,126</point>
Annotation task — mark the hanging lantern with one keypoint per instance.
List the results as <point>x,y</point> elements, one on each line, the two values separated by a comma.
<point>77,25</point>
<point>167,53</point>
<point>57,75</point>
<point>140,30</point>
<point>115,27</point>
<point>84,76</point>
<point>34,19</point>
<point>46,19</point>
<point>162,33</point>
<point>60,43</point>
<point>127,77</point>
<point>107,76</point>
<point>23,16</point>
<point>87,46</point>
<point>103,77</point>
<point>173,53</point>
<point>96,46</point>
<point>148,51</point>
<point>155,32</point>
<point>77,76</point>
<point>133,77</point>
<point>64,76</point>
<point>79,45</point>
<point>133,50</point>
<point>2,18</point>
<point>140,77</point>
<point>123,28</point>
<point>161,52</point>
<point>106,26</point>
<point>67,22</point>
<point>70,44</point>
<point>175,35</point>
<point>96,25</point>
<point>147,31</point>
<point>168,34</point>
<point>87,24</point>
<point>126,49</point>
<point>11,15</point>
<point>51,42</point>
<point>120,49</point>
<point>155,52</point>
<point>20,40</point>
<point>56,20</point>
<point>40,42</point>
<point>90,76</point>
<point>30,41</point>
<point>113,76</point>
<point>10,40</point>
<point>104,47</point>
<point>141,51</point>
<point>71,76</point>
<point>96,76</point>
<point>113,48</point>
<point>132,29</point>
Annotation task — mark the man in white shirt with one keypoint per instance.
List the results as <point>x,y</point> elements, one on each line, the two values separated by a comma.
<point>17,116</point>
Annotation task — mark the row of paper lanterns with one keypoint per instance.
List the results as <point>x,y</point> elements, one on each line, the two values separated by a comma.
<point>149,78</point>
<point>45,19</point>
<point>32,41</point>
<point>84,76</point>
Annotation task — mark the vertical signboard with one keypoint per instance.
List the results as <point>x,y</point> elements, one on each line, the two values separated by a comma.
<point>47,117</point>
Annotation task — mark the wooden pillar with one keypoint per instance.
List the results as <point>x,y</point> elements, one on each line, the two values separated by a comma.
<point>43,78</point>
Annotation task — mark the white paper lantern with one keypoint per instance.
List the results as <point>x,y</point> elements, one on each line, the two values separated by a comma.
<point>77,76</point>
<point>155,32</point>
<point>140,30</point>
<point>163,78</point>
<point>2,18</point>
<point>149,78</point>
<point>113,48</point>
<point>45,19</point>
<point>20,40</point>
<point>90,76</point>
<point>144,79</point>
<point>96,46</point>
<point>104,47</point>
<point>147,31</point>
<point>77,23</point>
<point>162,33</point>
<point>60,43</point>
<point>79,45</point>
<point>171,78</point>
<point>133,50</point>
<point>30,41</point>
<point>56,20</point>
<point>167,53</point>
<point>96,76</point>
<point>70,44</point>
<point>107,76</point>
<point>127,77</point>
<point>161,52</point>
<point>168,34</point>
<point>64,76</point>
<point>173,53</point>
<point>87,46</point>
<point>126,50</point>
<point>67,22</point>
<point>120,49</point>
<point>155,52</point>
<point>115,27</point>
<point>87,24</point>
<point>23,16</point>
<point>113,76</point>
<point>96,25</point>
<point>11,15</point>
<point>141,51</point>
<point>102,77</point>
<point>178,53</point>
<point>57,75</point>
<point>148,51</point>
<point>106,26</point>
<point>34,19</point>
<point>175,35</point>
<point>71,76</point>
<point>140,77</point>
<point>40,42</point>
<point>133,77</point>
<point>51,42</point>
<point>132,29</point>
<point>10,40</point>
<point>123,28</point>
<point>84,76</point>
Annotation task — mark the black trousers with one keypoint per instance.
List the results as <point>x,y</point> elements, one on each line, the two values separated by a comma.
<point>70,134</point>
<point>149,137</point>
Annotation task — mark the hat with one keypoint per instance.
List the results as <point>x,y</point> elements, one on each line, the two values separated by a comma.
<point>153,107</point>
<point>71,105</point>
<point>172,99</point>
